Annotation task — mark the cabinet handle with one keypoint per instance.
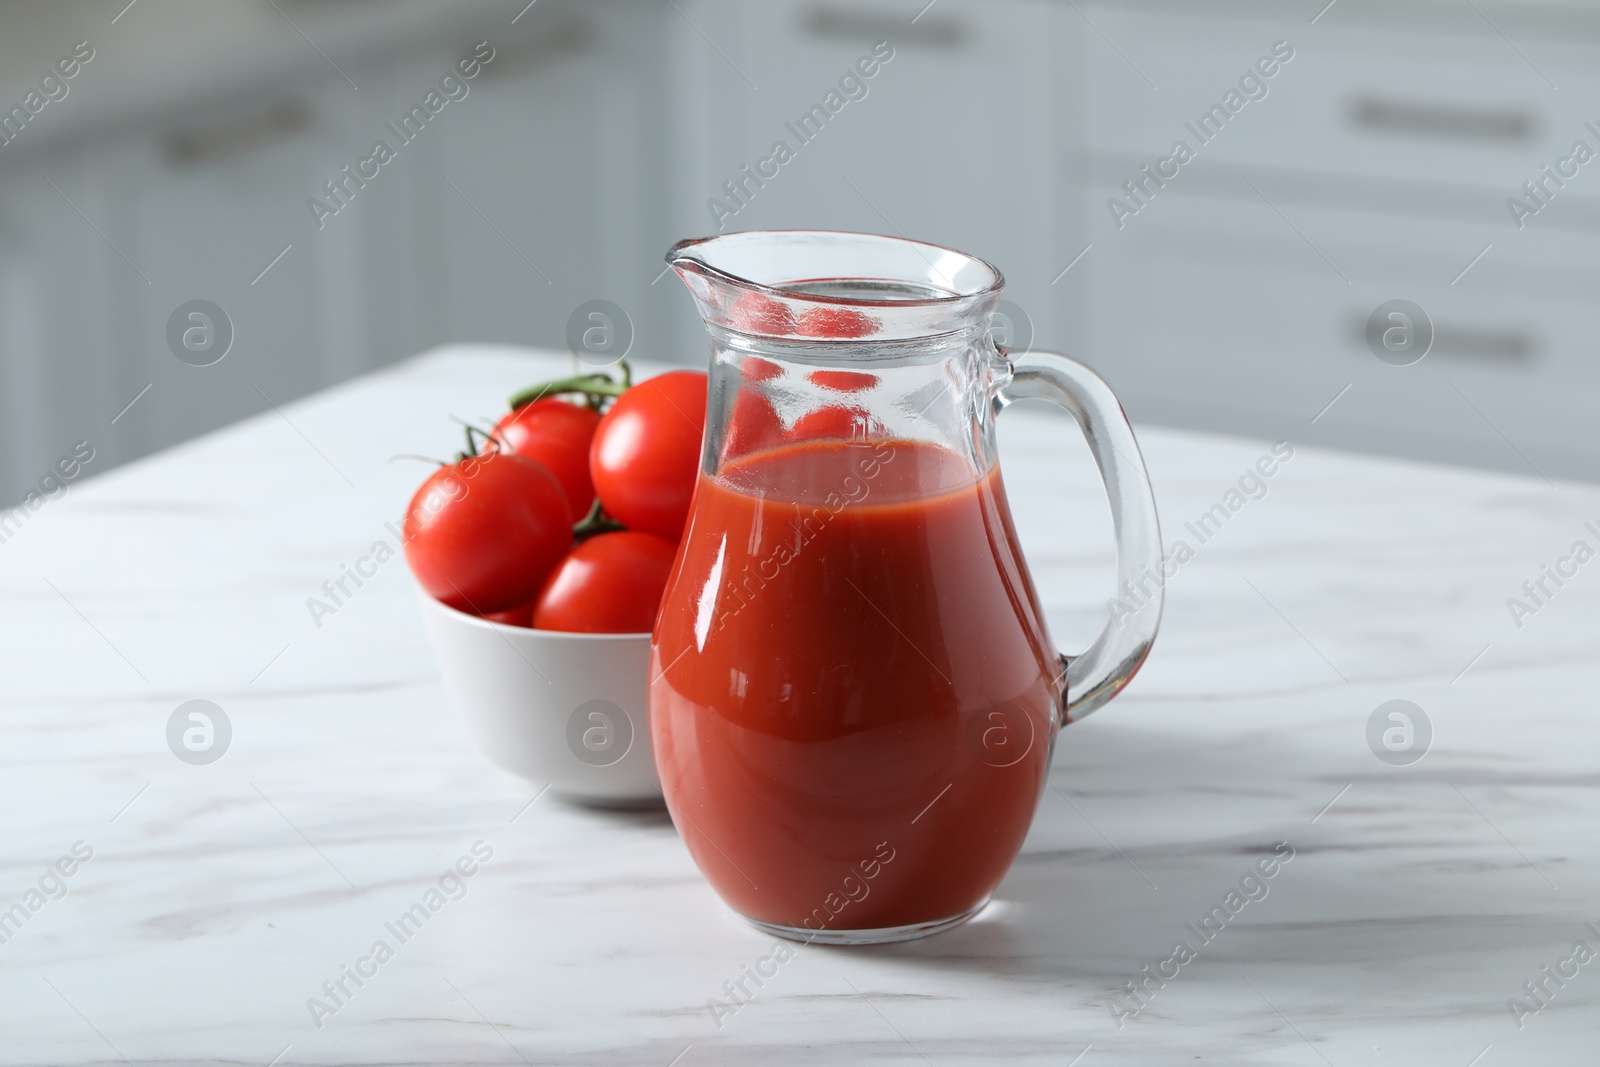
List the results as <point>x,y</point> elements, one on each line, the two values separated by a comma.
<point>536,50</point>
<point>1507,346</point>
<point>1492,345</point>
<point>1442,120</point>
<point>212,144</point>
<point>833,22</point>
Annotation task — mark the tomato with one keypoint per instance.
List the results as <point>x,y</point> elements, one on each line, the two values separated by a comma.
<point>836,422</point>
<point>756,369</point>
<point>610,584</point>
<point>761,314</point>
<point>482,534</point>
<point>752,425</point>
<point>835,322</point>
<point>646,454</point>
<point>521,615</point>
<point>556,435</point>
<point>844,381</point>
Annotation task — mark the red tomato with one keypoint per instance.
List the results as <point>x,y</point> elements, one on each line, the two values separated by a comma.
<point>482,534</point>
<point>835,322</point>
<point>835,422</point>
<point>646,454</point>
<point>556,435</point>
<point>759,313</point>
<point>756,369</point>
<point>521,615</point>
<point>752,425</point>
<point>610,584</point>
<point>844,381</point>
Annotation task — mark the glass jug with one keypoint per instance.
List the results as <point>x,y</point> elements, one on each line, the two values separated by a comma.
<point>854,697</point>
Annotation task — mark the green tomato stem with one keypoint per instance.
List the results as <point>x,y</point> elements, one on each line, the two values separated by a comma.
<point>594,386</point>
<point>596,522</point>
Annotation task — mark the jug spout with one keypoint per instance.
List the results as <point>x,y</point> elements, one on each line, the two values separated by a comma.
<point>828,336</point>
<point>786,284</point>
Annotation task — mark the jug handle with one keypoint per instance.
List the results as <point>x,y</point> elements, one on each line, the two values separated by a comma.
<point>1101,671</point>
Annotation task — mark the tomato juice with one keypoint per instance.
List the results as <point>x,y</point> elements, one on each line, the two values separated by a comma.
<point>850,663</point>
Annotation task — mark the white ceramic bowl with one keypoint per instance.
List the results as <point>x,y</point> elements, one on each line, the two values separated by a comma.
<point>564,710</point>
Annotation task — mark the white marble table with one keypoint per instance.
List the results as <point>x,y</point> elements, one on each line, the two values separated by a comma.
<point>220,898</point>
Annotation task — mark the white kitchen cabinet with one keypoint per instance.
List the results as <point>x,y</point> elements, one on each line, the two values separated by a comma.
<point>205,228</point>
<point>1412,106</point>
<point>600,131</point>
<point>952,142</point>
<point>561,143</point>
<point>62,290</point>
<point>1216,313</point>
<point>1376,168</point>
<point>560,158</point>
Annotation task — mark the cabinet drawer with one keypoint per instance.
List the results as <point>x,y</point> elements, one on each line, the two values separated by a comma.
<point>1437,110</point>
<point>1217,313</point>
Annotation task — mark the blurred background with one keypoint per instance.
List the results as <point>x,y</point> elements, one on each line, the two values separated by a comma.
<point>1383,159</point>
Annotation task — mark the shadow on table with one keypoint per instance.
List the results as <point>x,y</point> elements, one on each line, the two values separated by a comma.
<point>1400,877</point>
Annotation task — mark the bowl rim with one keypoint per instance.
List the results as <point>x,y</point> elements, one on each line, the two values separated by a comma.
<point>501,627</point>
